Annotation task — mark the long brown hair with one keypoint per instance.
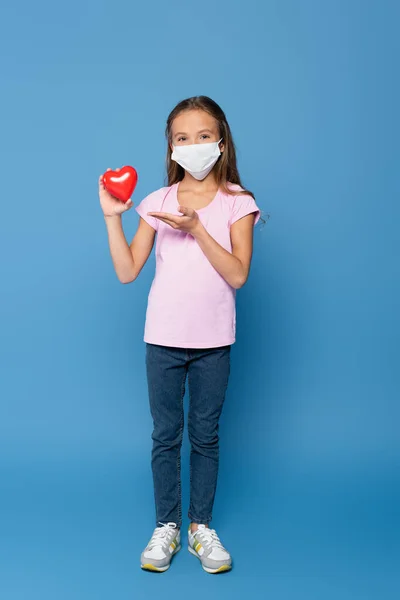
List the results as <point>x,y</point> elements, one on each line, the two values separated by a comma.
<point>225,168</point>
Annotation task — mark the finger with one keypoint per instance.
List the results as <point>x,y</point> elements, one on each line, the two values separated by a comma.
<point>168,222</point>
<point>165,216</point>
<point>165,220</point>
<point>188,212</point>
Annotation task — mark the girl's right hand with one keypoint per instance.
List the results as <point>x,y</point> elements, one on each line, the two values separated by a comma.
<point>110,205</point>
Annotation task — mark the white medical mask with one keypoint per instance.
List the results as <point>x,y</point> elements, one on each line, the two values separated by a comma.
<point>197,159</point>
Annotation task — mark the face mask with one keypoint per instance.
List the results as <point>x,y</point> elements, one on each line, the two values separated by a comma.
<point>197,159</point>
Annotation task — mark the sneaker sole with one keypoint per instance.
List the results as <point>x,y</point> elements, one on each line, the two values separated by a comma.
<point>208,569</point>
<point>150,567</point>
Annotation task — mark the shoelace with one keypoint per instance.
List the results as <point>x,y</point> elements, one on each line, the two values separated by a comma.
<point>210,536</point>
<point>161,534</point>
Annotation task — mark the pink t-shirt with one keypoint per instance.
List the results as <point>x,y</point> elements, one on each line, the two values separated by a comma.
<point>190,305</point>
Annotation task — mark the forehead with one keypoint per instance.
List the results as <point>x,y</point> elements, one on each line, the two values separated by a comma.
<point>194,120</point>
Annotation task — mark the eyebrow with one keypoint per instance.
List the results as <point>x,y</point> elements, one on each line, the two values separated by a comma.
<point>201,131</point>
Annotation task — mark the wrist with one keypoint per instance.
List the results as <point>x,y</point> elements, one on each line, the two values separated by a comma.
<point>198,230</point>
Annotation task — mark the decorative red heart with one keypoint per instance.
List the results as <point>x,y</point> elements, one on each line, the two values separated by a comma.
<point>121,183</point>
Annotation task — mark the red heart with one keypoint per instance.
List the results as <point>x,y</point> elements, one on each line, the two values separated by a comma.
<point>121,183</point>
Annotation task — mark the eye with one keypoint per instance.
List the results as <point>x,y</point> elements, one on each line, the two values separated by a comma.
<point>205,136</point>
<point>181,138</point>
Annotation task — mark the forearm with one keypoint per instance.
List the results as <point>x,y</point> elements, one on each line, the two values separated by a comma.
<point>120,251</point>
<point>225,263</point>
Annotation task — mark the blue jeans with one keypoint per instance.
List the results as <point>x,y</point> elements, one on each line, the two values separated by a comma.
<point>208,373</point>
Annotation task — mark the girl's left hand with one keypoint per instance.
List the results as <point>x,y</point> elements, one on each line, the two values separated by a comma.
<point>188,222</point>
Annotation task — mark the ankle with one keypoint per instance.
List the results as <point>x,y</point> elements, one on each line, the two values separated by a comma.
<point>194,526</point>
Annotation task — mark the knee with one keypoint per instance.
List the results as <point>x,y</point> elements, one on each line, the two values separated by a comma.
<point>204,437</point>
<point>168,435</point>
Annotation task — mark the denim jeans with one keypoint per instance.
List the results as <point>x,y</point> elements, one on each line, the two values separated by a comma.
<point>207,371</point>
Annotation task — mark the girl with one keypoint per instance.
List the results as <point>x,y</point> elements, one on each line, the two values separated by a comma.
<point>204,223</point>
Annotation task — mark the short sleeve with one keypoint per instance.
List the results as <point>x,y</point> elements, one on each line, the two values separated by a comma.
<point>243,205</point>
<point>151,203</point>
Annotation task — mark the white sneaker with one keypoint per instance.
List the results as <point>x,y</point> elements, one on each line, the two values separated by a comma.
<point>164,543</point>
<point>206,545</point>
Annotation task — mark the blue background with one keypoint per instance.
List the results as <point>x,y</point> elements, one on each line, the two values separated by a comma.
<point>308,493</point>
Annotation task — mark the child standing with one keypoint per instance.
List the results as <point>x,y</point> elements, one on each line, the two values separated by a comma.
<point>203,222</point>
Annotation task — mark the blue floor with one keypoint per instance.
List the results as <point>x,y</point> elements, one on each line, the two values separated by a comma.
<point>76,532</point>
